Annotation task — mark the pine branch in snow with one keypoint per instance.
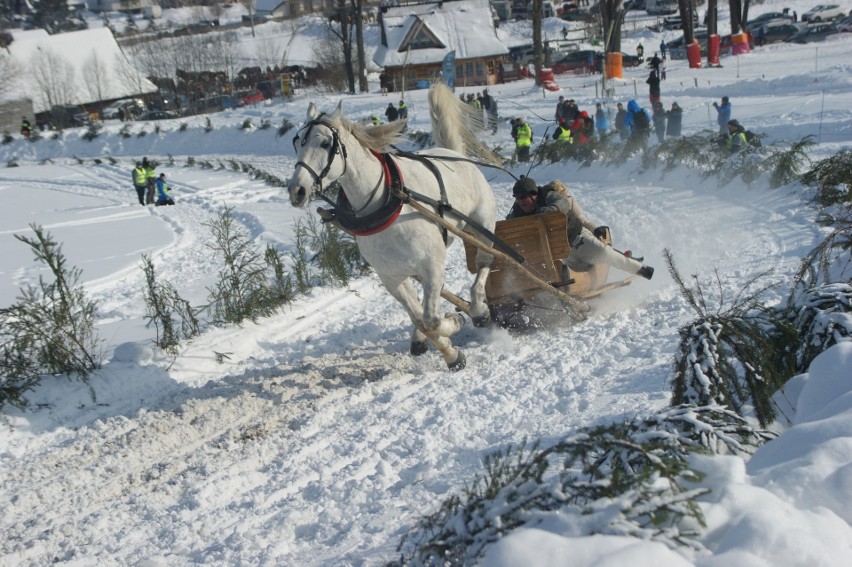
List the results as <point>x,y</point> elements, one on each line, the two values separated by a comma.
<point>51,327</point>
<point>736,354</point>
<point>631,478</point>
<point>823,319</point>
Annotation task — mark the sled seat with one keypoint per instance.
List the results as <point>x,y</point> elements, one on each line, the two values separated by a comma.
<point>541,239</point>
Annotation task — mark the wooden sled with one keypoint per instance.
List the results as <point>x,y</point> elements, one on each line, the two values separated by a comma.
<point>541,282</point>
<point>517,300</point>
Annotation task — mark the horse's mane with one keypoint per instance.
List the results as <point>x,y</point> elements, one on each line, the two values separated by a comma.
<point>377,138</point>
<point>454,125</point>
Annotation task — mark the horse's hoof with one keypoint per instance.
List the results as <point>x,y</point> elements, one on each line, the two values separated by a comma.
<point>482,321</point>
<point>419,347</point>
<point>460,363</point>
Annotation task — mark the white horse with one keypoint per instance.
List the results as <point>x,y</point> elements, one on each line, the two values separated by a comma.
<point>398,242</point>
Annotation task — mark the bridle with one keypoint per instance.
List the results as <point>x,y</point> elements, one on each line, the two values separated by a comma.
<point>335,149</point>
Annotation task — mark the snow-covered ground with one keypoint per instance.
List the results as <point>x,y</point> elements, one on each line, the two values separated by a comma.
<point>319,440</point>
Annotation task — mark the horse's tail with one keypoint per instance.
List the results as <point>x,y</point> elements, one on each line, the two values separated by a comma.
<point>454,125</point>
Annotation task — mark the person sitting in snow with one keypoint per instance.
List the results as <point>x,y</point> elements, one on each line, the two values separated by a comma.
<point>164,195</point>
<point>587,248</point>
<point>562,133</point>
<point>736,139</point>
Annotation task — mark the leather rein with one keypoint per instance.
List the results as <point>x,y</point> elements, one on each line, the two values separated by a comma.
<point>395,193</point>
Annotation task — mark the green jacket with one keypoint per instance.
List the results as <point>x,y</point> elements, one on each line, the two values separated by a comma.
<point>524,133</point>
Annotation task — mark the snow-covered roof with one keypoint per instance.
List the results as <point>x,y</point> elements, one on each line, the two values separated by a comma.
<point>76,51</point>
<point>432,30</point>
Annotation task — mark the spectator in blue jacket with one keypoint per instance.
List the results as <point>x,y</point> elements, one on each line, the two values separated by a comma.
<point>638,123</point>
<point>724,114</point>
<point>164,196</point>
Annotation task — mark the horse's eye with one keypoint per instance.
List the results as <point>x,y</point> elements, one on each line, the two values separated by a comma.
<point>325,144</point>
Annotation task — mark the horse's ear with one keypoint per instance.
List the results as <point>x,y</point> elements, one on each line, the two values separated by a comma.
<point>338,112</point>
<point>312,111</point>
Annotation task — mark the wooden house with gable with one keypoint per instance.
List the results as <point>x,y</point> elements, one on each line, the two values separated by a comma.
<point>415,38</point>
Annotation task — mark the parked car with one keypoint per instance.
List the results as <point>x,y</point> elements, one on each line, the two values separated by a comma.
<point>813,33</point>
<point>160,115</point>
<point>578,61</point>
<point>660,7</point>
<point>523,55</point>
<point>270,87</point>
<point>845,25</point>
<point>214,103</point>
<point>766,17</point>
<point>252,97</point>
<point>124,109</point>
<point>675,23</point>
<point>823,13</point>
<point>775,31</point>
<point>628,60</point>
<point>69,116</point>
<point>577,15</point>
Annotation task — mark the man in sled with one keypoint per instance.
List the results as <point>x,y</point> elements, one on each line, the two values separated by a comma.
<point>583,235</point>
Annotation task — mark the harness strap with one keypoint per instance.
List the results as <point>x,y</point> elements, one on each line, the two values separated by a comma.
<point>407,194</point>
<point>443,204</point>
<point>378,220</point>
<point>402,153</point>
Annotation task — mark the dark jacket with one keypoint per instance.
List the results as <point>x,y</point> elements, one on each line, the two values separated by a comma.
<point>654,83</point>
<point>659,119</point>
<point>391,113</point>
<point>674,116</point>
<point>619,119</point>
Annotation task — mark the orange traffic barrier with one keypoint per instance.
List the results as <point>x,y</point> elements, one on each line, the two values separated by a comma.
<point>693,54</point>
<point>613,67</point>
<point>739,44</point>
<point>713,50</point>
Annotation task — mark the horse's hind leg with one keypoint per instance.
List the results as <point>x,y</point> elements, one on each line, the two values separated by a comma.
<point>479,312</point>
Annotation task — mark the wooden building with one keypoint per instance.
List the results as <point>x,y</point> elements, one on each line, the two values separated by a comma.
<point>415,38</point>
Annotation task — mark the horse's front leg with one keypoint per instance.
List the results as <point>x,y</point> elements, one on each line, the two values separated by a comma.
<point>403,291</point>
<point>439,326</point>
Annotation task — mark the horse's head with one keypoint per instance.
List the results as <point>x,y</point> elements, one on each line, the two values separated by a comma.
<point>320,155</point>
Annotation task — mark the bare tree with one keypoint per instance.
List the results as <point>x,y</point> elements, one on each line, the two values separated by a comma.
<point>359,42</point>
<point>330,58</point>
<point>11,73</point>
<point>612,18</point>
<point>249,4</point>
<point>686,9</point>
<point>739,14</point>
<point>224,53</point>
<point>96,76</point>
<point>269,52</point>
<point>128,70</point>
<point>538,58</point>
<point>148,59</point>
<point>54,78</point>
<point>712,17</point>
<point>340,25</point>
